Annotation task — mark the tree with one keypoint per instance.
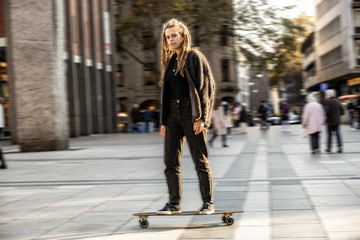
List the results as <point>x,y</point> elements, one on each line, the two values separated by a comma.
<point>251,23</point>
<point>286,60</point>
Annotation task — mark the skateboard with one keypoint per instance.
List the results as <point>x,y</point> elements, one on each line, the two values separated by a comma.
<point>226,216</point>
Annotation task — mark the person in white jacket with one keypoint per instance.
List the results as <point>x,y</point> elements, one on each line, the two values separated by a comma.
<point>218,120</point>
<point>313,120</point>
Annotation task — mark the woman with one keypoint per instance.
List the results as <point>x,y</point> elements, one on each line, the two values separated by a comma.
<point>219,123</point>
<point>312,120</point>
<point>187,98</point>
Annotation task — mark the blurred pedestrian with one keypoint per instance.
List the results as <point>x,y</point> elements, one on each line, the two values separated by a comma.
<point>2,118</point>
<point>135,117</point>
<point>333,111</point>
<point>358,110</point>
<point>2,160</point>
<point>243,120</point>
<point>284,110</point>
<point>218,120</point>
<point>187,96</point>
<point>263,114</point>
<point>228,117</point>
<point>147,119</point>
<point>236,115</point>
<point>351,106</point>
<point>312,120</point>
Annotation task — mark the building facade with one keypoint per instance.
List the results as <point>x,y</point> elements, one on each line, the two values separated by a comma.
<point>90,67</point>
<point>332,52</point>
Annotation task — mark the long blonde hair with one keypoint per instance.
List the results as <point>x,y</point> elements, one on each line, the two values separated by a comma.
<point>166,53</point>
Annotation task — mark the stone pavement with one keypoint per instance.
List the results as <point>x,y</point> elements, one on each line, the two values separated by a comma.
<point>91,190</point>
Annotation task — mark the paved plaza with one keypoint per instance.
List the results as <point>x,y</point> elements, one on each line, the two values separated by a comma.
<point>91,190</point>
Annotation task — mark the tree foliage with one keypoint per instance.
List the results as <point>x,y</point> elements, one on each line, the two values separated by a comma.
<point>286,59</point>
<point>252,24</point>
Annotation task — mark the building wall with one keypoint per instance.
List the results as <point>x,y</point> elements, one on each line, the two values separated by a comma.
<point>334,45</point>
<point>2,19</point>
<point>90,58</point>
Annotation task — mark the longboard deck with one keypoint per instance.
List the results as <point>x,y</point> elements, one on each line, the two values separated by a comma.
<point>184,213</point>
<point>143,216</point>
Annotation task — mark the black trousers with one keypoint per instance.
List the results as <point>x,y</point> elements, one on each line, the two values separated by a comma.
<point>330,130</point>
<point>180,127</point>
<point>2,160</point>
<point>223,139</point>
<point>314,141</point>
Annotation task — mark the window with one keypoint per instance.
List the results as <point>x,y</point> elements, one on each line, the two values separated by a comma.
<point>325,6</point>
<point>357,21</point>
<point>119,75</point>
<point>224,36</point>
<point>357,43</point>
<point>330,30</point>
<point>149,74</point>
<point>332,57</point>
<point>147,40</point>
<point>311,70</point>
<point>225,70</point>
<point>196,35</point>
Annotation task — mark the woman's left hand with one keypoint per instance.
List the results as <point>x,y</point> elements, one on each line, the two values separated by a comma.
<point>199,126</point>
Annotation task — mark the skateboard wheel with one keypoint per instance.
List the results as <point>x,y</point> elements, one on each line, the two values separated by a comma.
<point>229,221</point>
<point>224,219</point>
<point>144,224</point>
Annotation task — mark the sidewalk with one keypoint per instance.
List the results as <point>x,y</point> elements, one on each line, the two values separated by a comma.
<point>91,190</point>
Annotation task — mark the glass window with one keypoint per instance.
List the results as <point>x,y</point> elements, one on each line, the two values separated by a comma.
<point>149,74</point>
<point>224,36</point>
<point>147,40</point>
<point>357,17</point>
<point>225,70</point>
<point>119,75</point>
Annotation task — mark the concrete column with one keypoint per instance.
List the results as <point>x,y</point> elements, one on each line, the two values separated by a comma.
<point>37,76</point>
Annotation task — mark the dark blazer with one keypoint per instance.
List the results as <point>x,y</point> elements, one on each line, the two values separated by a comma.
<point>333,111</point>
<point>201,86</point>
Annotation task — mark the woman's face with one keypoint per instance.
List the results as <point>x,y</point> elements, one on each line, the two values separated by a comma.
<point>173,38</point>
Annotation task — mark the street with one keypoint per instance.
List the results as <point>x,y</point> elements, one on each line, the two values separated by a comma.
<point>91,190</point>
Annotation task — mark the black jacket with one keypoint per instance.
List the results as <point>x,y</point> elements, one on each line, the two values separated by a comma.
<point>201,86</point>
<point>333,111</point>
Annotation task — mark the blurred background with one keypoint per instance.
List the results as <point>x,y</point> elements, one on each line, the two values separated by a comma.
<point>73,68</point>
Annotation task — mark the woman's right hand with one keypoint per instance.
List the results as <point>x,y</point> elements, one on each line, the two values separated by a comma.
<point>162,130</point>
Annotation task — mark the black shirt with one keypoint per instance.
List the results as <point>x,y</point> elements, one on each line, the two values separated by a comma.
<point>179,85</point>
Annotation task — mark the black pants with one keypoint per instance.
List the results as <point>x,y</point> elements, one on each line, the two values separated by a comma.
<point>330,130</point>
<point>180,127</point>
<point>223,139</point>
<point>3,163</point>
<point>314,141</point>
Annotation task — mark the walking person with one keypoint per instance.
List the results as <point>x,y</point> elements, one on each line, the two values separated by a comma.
<point>284,109</point>
<point>263,113</point>
<point>219,124</point>
<point>135,118</point>
<point>2,160</point>
<point>236,115</point>
<point>351,106</point>
<point>147,119</point>
<point>228,117</point>
<point>243,120</point>
<point>358,110</point>
<point>187,97</point>
<point>333,110</point>
<point>313,119</point>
